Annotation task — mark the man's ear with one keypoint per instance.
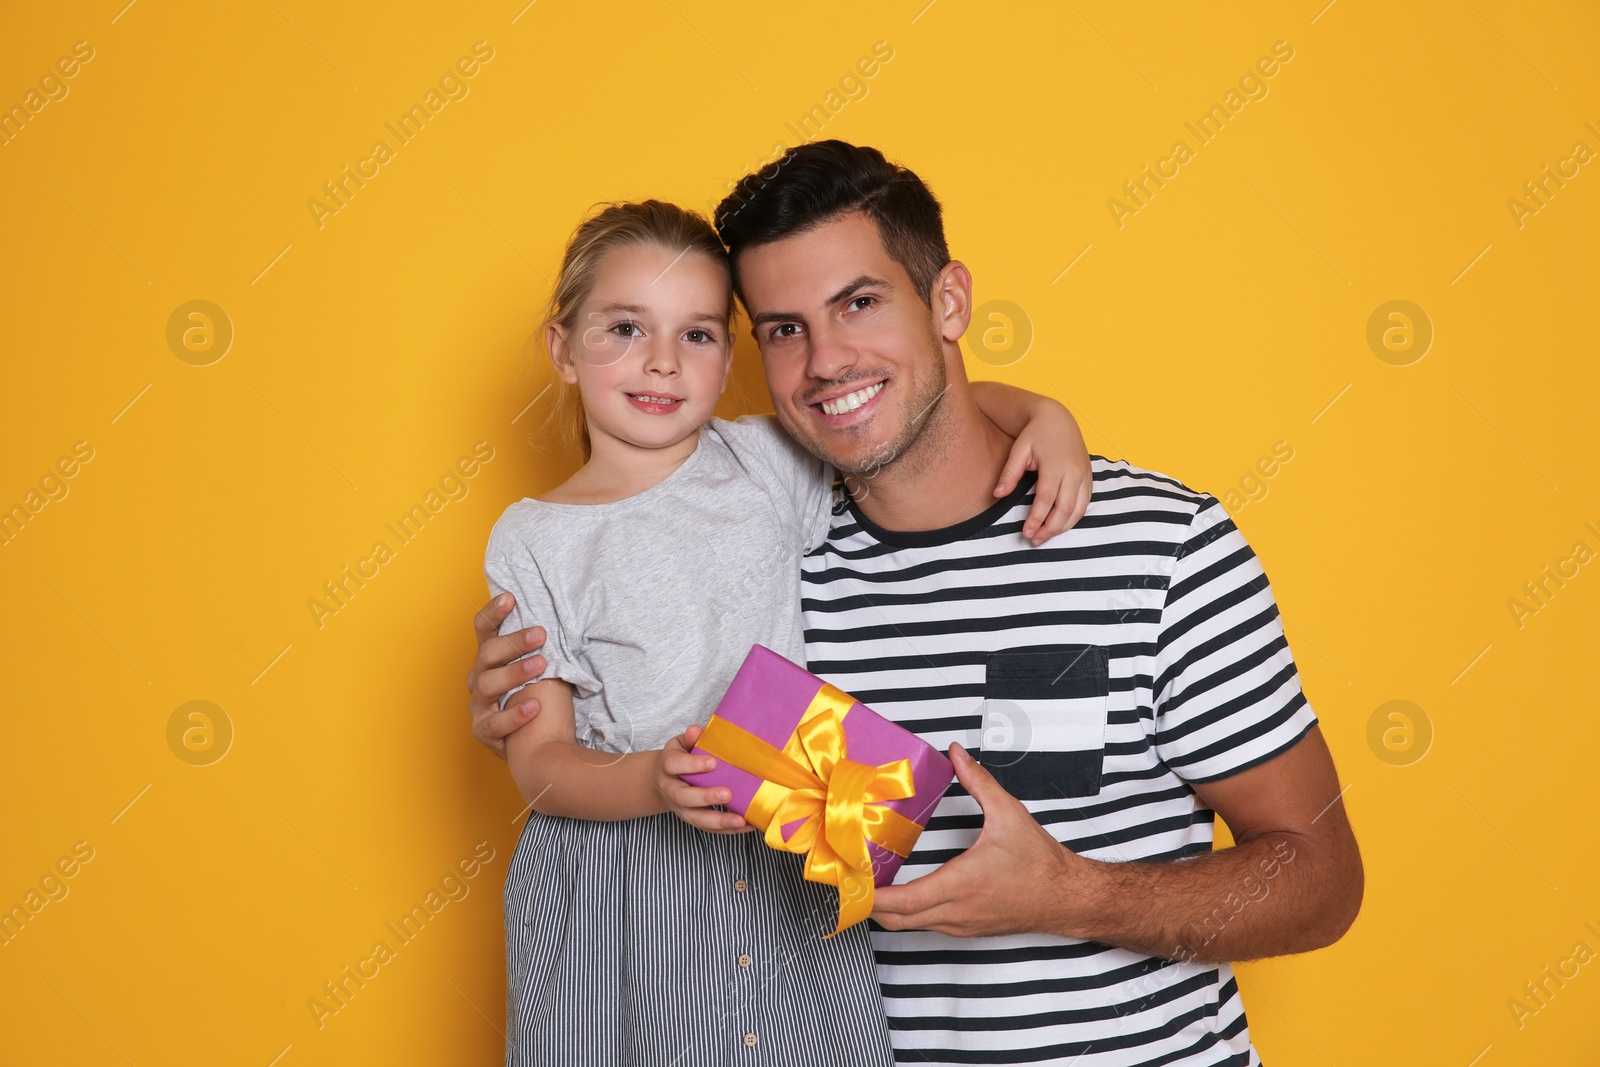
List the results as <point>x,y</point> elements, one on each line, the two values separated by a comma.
<point>952,300</point>
<point>555,339</point>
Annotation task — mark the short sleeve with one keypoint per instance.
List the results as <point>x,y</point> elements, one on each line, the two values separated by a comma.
<point>800,484</point>
<point>1227,692</point>
<point>510,567</point>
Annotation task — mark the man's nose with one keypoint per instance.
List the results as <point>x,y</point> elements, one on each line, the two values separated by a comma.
<point>830,355</point>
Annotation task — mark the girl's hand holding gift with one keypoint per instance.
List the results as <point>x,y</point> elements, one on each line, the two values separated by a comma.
<point>691,803</point>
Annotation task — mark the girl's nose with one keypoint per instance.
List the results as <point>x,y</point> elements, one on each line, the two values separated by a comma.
<point>661,359</point>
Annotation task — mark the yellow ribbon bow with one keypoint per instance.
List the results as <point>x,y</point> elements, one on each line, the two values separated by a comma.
<point>839,799</point>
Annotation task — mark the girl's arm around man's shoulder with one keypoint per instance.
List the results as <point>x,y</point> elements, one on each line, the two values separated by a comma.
<point>1046,439</point>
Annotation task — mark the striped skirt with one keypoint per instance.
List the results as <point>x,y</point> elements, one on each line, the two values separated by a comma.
<point>648,942</point>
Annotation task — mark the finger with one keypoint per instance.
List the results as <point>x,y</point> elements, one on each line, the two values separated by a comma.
<point>906,907</point>
<point>919,894</point>
<point>1056,521</point>
<point>1080,505</point>
<point>493,684</point>
<point>492,730</point>
<point>683,795</point>
<point>500,650</point>
<point>928,920</point>
<point>489,617</point>
<point>896,900</point>
<point>675,761</point>
<point>685,743</point>
<point>1016,463</point>
<point>1044,495</point>
<point>977,781</point>
<point>695,805</point>
<point>713,821</point>
<point>496,652</point>
<point>897,920</point>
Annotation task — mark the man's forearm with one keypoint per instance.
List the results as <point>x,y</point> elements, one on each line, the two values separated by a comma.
<point>1276,894</point>
<point>564,778</point>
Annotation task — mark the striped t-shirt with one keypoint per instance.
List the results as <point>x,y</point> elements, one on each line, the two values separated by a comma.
<point>1097,677</point>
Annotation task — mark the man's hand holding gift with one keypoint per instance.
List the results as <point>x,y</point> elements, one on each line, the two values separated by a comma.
<point>1248,901</point>
<point>1003,884</point>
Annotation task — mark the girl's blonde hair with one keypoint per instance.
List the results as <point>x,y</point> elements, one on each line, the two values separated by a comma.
<point>614,226</point>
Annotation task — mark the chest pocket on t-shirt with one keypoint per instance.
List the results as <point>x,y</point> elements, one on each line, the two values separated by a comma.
<point>1044,720</point>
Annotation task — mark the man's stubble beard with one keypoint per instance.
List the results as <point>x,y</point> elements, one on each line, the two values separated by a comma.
<point>921,439</point>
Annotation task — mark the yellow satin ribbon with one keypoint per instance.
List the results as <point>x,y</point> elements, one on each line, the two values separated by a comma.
<point>812,778</point>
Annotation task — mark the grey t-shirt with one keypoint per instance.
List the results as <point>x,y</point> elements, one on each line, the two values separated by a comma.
<point>651,603</point>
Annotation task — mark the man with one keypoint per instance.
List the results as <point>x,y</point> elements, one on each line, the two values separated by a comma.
<point>1119,687</point>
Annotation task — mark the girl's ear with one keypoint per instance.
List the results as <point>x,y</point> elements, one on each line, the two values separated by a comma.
<point>555,339</point>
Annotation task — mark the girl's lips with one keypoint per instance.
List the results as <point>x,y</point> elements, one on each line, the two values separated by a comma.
<point>654,407</point>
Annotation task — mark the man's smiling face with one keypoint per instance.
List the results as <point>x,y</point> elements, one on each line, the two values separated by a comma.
<point>853,356</point>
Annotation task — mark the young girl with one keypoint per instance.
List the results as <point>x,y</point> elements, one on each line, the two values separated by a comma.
<point>643,925</point>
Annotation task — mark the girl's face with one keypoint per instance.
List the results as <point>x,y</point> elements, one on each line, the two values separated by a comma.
<point>649,350</point>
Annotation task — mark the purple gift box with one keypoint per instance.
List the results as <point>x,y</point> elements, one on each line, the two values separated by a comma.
<point>788,709</point>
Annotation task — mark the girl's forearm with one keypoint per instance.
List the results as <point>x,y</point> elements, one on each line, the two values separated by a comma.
<point>564,778</point>
<point>1009,407</point>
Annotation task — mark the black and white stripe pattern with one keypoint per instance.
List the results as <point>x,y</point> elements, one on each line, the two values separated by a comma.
<point>1097,676</point>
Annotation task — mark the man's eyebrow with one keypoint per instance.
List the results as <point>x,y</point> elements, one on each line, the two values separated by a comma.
<point>774,316</point>
<point>843,294</point>
<point>862,282</point>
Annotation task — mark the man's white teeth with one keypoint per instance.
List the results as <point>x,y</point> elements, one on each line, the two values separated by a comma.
<point>648,399</point>
<point>846,404</point>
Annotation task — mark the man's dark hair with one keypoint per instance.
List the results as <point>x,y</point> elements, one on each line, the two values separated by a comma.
<point>815,183</point>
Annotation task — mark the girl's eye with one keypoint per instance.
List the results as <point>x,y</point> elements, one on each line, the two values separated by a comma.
<point>629,330</point>
<point>699,336</point>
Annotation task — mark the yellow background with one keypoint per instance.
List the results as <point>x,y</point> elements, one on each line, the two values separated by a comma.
<point>370,354</point>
